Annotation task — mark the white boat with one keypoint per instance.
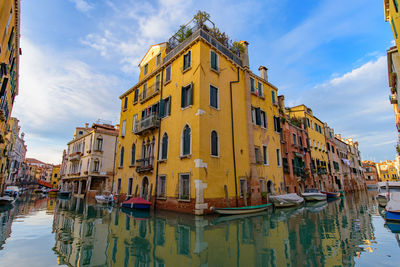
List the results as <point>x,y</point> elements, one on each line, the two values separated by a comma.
<point>286,200</point>
<point>393,207</point>
<point>313,194</point>
<point>6,200</point>
<point>103,199</point>
<point>384,188</point>
<point>241,210</point>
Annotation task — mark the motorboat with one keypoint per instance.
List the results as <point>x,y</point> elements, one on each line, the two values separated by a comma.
<point>393,207</point>
<point>241,210</point>
<point>286,200</point>
<point>384,188</point>
<point>313,194</point>
<point>331,194</point>
<point>136,203</point>
<point>12,191</point>
<point>103,199</point>
<point>6,200</point>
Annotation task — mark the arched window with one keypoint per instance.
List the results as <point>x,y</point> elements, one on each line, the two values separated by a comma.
<point>214,144</point>
<point>164,146</point>
<point>133,154</point>
<point>186,138</point>
<point>121,157</point>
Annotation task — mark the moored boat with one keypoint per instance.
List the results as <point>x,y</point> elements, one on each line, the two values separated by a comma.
<point>103,199</point>
<point>286,200</point>
<point>136,203</point>
<point>240,210</point>
<point>393,207</point>
<point>384,188</point>
<point>331,194</point>
<point>313,194</point>
<point>6,200</point>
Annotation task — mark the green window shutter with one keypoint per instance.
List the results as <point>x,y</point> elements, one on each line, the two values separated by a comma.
<point>169,106</point>
<point>258,116</point>
<point>394,28</point>
<point>396,5</point>
<point>161,110</point>
<point>183,97</point>
<point>191,94</point>
<point>252,85</point>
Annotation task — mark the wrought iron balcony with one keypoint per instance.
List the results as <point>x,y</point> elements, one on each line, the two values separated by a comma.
<point>145,165</point>
<point>147,124</point>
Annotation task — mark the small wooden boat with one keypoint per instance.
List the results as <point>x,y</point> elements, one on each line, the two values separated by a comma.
<point>241,210</point>
<point>313,194</point>
<point>393,208</point>
<point>53,192</point>
<point>103,199</point>
<point>6,200</point>
<point>286,200</point>
<point>331,194</point>
<point>136,203</point>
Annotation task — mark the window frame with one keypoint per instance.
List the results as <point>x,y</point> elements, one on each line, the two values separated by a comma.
<point>185,68</point>
<point>180,193</point>
<point>161,158</point>
<point>164,196</point>
<point>134,120</point>
<point>278,157</point>
<point>217,96</point>
<point>158,59</point>
<point>182,155</point>
<point>125,103</point>
<point>123,128</point>
<point>121,157</point>
<point>168,69</point>
<point>265,155</point>
<point>133,154</point>
<point>273,97</point>
<point>146,69</point>
<point>216,60</point>
<point>129,190</point>
<point>183,99</point>
<point>217,144</point>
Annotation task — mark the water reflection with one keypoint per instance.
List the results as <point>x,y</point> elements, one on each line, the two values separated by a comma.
<point>338,233</point>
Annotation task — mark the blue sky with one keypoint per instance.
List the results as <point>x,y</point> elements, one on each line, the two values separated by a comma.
<point>78,56</point>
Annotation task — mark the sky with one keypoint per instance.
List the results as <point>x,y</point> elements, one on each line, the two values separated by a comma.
<point>79,56</point>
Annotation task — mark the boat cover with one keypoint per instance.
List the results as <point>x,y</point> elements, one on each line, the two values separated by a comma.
<point>286,198</point>
<point>394,203</point>
<point>137,200</point>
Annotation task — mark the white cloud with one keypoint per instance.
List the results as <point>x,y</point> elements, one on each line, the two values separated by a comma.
<point>356,105</point>
<point>82,5</point>
<point>57,94</point>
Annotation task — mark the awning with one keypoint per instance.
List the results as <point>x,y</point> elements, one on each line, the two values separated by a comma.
<point>299,155</point>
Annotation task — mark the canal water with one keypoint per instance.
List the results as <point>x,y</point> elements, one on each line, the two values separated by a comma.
<point>351,231</point>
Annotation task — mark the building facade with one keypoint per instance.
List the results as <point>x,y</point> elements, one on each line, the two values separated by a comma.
<point>9,72</point>
<point>199,129</point>
<point>371,173</point>
<point>55,176</point>
<point>89,169</point>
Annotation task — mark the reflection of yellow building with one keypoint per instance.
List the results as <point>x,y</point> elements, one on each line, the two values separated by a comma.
<point>317,145</point>
<point>55,175</point>
<point>198,120</point>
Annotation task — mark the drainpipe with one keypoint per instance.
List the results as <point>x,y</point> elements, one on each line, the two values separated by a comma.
<point>115,151</point>
<point>158,142</point>
<point>233,138</point>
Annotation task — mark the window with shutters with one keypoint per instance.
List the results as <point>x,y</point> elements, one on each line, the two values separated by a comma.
<point>277,124</point>
<point>258,155</point>
<point>214,60</point>
<point>260,89</point>
<point>146,69</point>
<point>278,157</point>
<point>125,102</point>
<point>121,157</point>
<point>134,122</point>
<point>136,97</point>
<point>258,116</point>
<point>253,115</point>
<point>130,184</point>
<point>187,60</point>
<point>252,86</point>
<point>168,74</point>
<point>214,97</point>
<point>158,82</point>
<point>164,147</point>
<point>144,91</point>
<point>133,154</point>
<point>162,185</point>
<point>123,128</point>
<point>186,141</point>
<point>263,119</point>
<point>265,155</point>
<point>165,107</point>
<point>184,186</point>
<point>214,144</point>
<point>158,59</point>
<point>187,96</point>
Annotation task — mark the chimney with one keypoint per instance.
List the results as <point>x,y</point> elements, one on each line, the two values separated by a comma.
<point>245,56</point>
<point>86,125</point>
<point>263,72</point>
<point>281,101</point>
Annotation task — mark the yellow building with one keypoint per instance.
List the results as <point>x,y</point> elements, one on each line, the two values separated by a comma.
<point>317,145</point>
<point>388,170</point>
<point>392,15</point>
<point>203,124</point>
<point>9,70</point>
<point>55,175</point>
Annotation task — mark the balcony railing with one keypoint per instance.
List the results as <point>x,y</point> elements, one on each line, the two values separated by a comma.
<point>75,156</point>
<point>393,99</point>
<point>147,124</point>
<point>150,92</point>
<point>145,165</point>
